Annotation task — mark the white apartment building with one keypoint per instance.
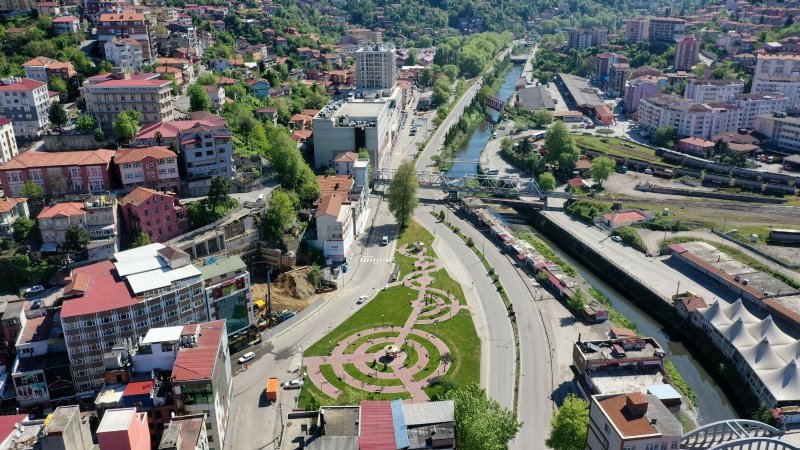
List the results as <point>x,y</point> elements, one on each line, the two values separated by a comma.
<point>631,421</point>
<point>702,120</point>
<point>26,103</point>
<point>704,91</point>
<point>637,30</point>
<point>125,53</point>
<point>778,73</point>
<point>8,143</point>
<point>371,122</point>
<point>782,131</point>
<point>152,98</point>
<point>754,105</point>
<point>375,67</point>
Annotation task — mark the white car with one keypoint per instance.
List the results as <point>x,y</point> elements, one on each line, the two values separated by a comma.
<point>297,383</point>
<point>246,357</point>
<point>34,290</point>
<point>361,299</point>
<point>616,238</point>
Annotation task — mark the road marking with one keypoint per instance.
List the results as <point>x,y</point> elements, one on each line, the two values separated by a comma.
<point>375,259</point>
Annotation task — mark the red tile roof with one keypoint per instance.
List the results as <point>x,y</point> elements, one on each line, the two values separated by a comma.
<point>124,17</point>
<point>133,83</point>
<point>330,205</point>
<point>35,159</point>
<point>65,19</point>
<point>172,128</point>
<point>197,363</point>
<point>78,285</point>
<point>377,426</point>
<point>139,388</point>
<point>62,209</point>
<point>4,120</point>
<point>301,135</point>
<point>346,157</point>
<point>139,195</point>
<point>335,183</point>
<point>629,216</point>
<point>26,84</point>
<point>105,291</point>
<point>629,426</point>
<point>6,203</point>
<point>137,154</point>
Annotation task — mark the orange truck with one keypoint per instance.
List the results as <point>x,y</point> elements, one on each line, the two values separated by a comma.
<point>272,389</point>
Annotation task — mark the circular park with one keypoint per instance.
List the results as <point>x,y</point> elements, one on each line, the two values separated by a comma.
<point>414,339</point>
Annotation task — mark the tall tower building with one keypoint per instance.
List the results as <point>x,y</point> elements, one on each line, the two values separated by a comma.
<point>687,53</point>
<point>375,67</point>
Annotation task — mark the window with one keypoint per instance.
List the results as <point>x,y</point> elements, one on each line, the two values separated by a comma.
<point>198,154</point>
<point>652,446</point>
<point>606,428</point>
<point>674,444</point>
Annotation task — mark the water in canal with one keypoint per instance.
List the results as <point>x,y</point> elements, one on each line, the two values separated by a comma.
<point>471,151</point>
<point>713,405</point>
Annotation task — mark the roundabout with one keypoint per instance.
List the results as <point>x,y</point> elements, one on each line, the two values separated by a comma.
<point>394,360</point>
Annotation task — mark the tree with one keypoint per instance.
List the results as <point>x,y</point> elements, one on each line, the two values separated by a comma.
<point>57,115</point>
<point>106,66</point>
<point>601,169</point>
<point>126,125</point>
<point>446,358</point>
<point>542,117</point>
<point>561,146</point>
<point>665,137</point>
<point>402,193</point>
<point>21,229</point>
<point>441,91</point>
<point>85,123</point>
<point>99,135</point>
<point>280,215</point>
<point>577,301</point>
<point>720,147</point>
<point>569,425</point>
<point>141,240</point>
<point>32,191</point>
<point>315,275</point>
<point>481,423</point>
<point>58,84</point>
<point>76,239</point>
<point>218,193</point>
<point>199,100</point>
<point>547,182</point>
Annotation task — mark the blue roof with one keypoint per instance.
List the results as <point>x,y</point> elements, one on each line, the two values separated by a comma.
<point>399,421</point>
<point>663,391</point>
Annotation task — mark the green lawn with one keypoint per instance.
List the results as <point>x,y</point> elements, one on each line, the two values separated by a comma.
<point>355,344</point>
<point>444,282</point>
<point>415,232</point>
<point>464,344</point>
<point>406,264</point>
<point>433,354</point>
<point>621,148</point>
<point>351,370</point>
<point>390,306</point>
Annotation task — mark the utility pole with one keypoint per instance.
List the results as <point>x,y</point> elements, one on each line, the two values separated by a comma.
<point>269,294</point>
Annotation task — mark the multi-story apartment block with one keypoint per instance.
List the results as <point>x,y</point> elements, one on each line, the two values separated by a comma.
<point>160,215</point>
<point>26,103</point>
<point>631,421</point>
<point>185,35</point>
<point>186,67</point>
<point>206,152</point>
<point>126,25</point>
<point>8,142</point>
<point>168,133</point>
<point>369,124</point>
<point>185,433</point>
<point>637,30</point>
<point>704,91</point>
<point>611,70</point>
<point>152,98</point>
<point>152,167</point>
<point>202,381</point>
<point>702,120</point>
<point>227,285</point>
<point>97,215</point>
<point>125,53</point>
<point>10,210</point>
<point>375,67</point>
<point>781,131</point>
<point>778,73</point>
<point>124,429</point>
<point>361,36</point>
<point>66,25</point>
<point>581,38</point>
<point>115,303</point>
<point>687,53</point>
<point>11,6</point>
<point>666,29</point>
<point>754,105</point>
<point>59,173</point>
<point>44,69</point>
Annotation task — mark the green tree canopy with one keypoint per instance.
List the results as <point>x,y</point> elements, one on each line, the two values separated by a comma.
<point>76,239</point>
<point>57,115</point>
<point>21,229</point>
<point>199,100</point>
<point>665,137</point>
<point>602,168</point>
<point>547,182</point>
<point>441,91</point>
<point>402,193</point>
<point>85,123</point>
<point>542,117</point>
<point>126,125</point>
<point>57,84</point>
<point>99,135</point>
<point>281,213</point>
<point>577,301</point>
<point>481,423</point>
<point>218,193</point>
<point>569,425</point>
<point>141,240</point>
<point>32,191</point>
<point>561,146</point>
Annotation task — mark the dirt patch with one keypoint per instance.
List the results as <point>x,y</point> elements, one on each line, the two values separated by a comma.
<point>290,290</point>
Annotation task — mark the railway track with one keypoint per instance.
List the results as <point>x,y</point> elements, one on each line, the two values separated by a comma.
<point>765,210</point>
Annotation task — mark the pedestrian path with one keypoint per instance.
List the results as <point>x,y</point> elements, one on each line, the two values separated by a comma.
<point>375,259</point>
<point>411,365</point>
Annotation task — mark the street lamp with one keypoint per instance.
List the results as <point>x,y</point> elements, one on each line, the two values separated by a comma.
<point>383,320</point>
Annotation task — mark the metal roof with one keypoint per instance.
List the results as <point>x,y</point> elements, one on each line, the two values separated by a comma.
<point>429,413</point>
<point>222,267</point>
<point>138,260</point>
<point>163,334</point>
<point>160,278</point>
<point>377,426</point>
<point>399,422</point>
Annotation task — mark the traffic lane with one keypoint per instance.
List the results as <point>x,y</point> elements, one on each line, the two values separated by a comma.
<point>487,310</point>
<point>537,384</point>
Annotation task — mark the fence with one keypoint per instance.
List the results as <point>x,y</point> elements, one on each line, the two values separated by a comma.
<point>757,251</point>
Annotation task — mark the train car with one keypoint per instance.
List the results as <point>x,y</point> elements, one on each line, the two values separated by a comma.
<point>717,179</point>
<point>749,184</point>
<point>688,173</point>
<point>781,189</point>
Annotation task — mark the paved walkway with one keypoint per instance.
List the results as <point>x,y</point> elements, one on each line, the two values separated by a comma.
<point>431,306</point>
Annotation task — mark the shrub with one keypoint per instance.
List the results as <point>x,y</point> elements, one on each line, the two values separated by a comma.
<point>631,237</point>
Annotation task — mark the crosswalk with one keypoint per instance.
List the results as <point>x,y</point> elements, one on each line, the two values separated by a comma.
<point>375,259</point>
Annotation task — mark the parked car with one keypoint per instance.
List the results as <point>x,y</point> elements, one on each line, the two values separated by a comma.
<point>33,290</point>
<point>361,299</point>
<point>616,238</point>
<point>246,357</point>
<point>297,383</point>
